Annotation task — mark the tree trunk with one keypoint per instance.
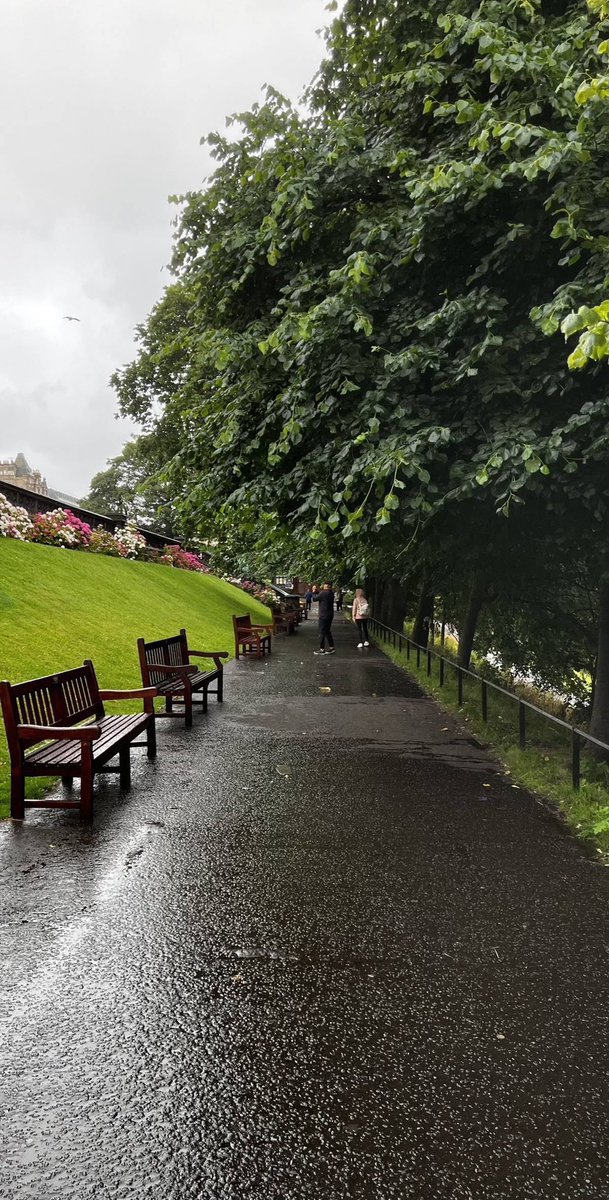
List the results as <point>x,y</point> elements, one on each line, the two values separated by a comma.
<point>599,722</point>
<point>395,604</point>
<point>424,614</point>
<point>380,609</point>
<point>478,597</point>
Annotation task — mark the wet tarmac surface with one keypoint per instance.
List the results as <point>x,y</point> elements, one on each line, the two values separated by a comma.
<point>321,951</point>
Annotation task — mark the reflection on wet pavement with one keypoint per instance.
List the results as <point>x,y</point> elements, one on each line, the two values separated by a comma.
<point>322,950</point>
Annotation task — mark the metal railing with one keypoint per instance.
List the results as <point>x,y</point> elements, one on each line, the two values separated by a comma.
<point>578,736</point>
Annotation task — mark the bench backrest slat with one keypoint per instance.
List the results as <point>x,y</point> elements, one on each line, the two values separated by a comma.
<point>67,698</point>
<point>242,624</point>
<point>168,652</point>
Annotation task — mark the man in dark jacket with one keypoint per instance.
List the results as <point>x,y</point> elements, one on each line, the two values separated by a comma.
<point>325,599</point>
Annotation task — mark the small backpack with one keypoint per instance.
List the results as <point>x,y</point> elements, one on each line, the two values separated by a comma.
<point>363,610</point>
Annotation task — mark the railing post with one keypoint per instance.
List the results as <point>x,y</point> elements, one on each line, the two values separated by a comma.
<point>429,662</point>
<point>459,686</point>
<point>522,725</point>
<point>441,670</point>
<point>484,699</point>
<point>575,759</point>
<point>418,656</point>
<point>400,643</point>
<point>407,647</point>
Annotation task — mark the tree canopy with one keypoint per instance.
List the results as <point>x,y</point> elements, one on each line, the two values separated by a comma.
<point>361,353</point>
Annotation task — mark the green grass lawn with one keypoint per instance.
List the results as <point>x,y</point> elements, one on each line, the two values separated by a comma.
<point>58,607</point>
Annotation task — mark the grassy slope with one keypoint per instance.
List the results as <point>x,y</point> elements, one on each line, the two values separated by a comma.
<point>58,607</point>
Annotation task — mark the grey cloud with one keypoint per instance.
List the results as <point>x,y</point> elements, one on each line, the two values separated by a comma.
<point>104,103</point>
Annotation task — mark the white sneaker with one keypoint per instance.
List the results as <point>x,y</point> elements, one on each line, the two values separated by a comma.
<point>359,645</point>
<point>366,643</point>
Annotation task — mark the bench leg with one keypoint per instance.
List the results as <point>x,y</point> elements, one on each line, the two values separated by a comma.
<point>151,738</point>
<point>17,797</point>
<point>68,782</point>
<point>86,784</point>
<point>220,687</point>
<point>188,709</point>
<point>168,704</point>
<point>204,705</point>
<point>124,756</point>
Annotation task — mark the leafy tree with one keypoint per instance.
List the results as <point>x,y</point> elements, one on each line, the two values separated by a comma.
<point>353,348</point>
<point>130,486</point>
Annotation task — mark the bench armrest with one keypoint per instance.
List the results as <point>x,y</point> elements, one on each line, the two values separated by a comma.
<point>208,653</point>
<point>183,670</point>
<point>142,693</point>
<point>36,733</point>
<point>147,694</point>
<point>265,628</point>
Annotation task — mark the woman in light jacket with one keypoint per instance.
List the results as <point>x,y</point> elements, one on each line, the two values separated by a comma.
<point>361,612</point>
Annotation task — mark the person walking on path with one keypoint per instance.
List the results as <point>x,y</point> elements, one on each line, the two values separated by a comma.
<point>360,613</point>
<point>325,599</point>
<point>339,599</point>
<point>308,599</point>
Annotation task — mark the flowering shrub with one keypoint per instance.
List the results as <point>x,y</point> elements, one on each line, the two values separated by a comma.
<point>61,528</point>
<point>174,556</point>
<point>102,542</point>
<point>247,585</point>
<point>14,521</point>
<point>264,594</point>
<point>129,541</point>
<point>267,596</point>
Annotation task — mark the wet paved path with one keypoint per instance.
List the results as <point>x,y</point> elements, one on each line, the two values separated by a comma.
<point>311,956</point>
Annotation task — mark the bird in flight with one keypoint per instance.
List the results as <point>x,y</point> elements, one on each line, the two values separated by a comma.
<point>72,319</point>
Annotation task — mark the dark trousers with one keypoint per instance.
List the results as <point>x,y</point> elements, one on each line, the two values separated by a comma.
<point>362,625</point>
<point>325,631</point>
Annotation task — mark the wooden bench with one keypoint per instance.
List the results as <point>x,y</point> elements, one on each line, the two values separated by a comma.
<point>284,621</point>
<point>251,638</point>
<point>51,711</point>
<point>165,665</point>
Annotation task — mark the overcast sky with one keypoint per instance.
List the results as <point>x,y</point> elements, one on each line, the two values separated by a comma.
<point>103,103</point>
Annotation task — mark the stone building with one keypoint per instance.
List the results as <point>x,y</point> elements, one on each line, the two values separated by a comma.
<point>18,472</point>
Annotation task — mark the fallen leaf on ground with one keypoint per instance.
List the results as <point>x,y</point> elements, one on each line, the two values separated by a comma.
<point>486,785</point>
<point>325,690</point>
<point>281,769</point>
<point>500,1037</point>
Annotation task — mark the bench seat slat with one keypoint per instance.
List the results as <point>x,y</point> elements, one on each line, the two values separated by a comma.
<point>114,731</point>
<point>173,684</point>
